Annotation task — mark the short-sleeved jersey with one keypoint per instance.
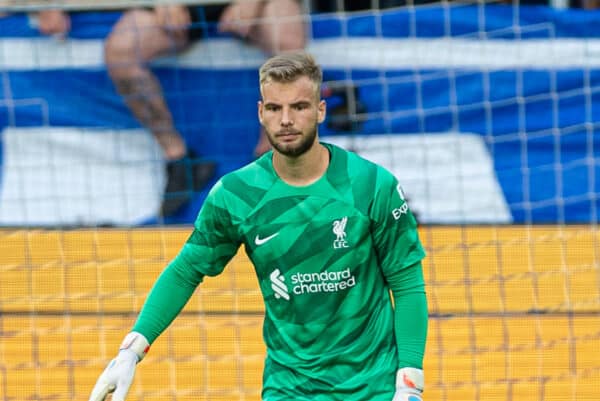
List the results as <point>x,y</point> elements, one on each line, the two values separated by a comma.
<point>321,254</point>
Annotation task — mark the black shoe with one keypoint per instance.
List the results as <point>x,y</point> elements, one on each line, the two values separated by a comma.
<point>184,177</point>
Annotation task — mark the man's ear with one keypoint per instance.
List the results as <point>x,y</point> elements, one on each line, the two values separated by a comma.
<point>260,111</point>
<point>322,110</point>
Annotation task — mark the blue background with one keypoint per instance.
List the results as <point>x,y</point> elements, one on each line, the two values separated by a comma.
<point>550,173</point>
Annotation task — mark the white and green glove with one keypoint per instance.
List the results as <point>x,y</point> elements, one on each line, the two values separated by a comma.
<point>409,385</point>
<point>118,375</point>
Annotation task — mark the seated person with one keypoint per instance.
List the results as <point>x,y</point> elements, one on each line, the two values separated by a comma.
<point>144,34</point>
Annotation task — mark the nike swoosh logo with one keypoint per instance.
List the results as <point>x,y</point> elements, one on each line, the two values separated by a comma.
<point>260,241</point>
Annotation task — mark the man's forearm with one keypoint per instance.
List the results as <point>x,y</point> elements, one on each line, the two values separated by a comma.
<point>410,315</point>
<point>411,329</point>
<point>167,298</point>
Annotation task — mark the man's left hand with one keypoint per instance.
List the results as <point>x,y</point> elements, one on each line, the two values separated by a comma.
<point>409,385</point>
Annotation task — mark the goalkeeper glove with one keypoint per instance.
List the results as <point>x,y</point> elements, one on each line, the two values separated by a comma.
<point>118,375</point>
<point>409,385</point>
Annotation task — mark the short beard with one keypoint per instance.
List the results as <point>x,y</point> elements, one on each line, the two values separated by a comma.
<point>297,150</point>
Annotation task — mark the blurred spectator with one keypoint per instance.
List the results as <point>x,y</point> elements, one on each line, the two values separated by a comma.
<point>585,4</point>
<point>328,6</point>
<point>54,22</point>
<point>142,35</point>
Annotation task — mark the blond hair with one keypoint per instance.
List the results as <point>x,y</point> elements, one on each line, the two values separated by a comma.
<point>288,67</point>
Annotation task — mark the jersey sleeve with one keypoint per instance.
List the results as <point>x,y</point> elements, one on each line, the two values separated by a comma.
<point>214,240</point>
<point>208,249</point>
<point>169,294</point>
<point>394,226</point>
<point>410,315</point>
<point>400,252</point>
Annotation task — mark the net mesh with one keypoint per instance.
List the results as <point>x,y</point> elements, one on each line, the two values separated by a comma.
<point>515,308</point>
<point>514,315</point>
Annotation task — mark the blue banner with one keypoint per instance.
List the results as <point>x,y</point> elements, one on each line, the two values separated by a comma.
<point>524,80</point>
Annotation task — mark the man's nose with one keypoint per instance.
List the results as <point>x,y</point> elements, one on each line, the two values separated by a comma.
<point>286,119</point>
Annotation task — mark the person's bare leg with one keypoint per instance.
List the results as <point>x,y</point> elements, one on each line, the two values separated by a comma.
<point>135,40</point>
<point>283,29</point>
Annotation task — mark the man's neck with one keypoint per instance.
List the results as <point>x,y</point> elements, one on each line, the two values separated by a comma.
<point>302,170</point>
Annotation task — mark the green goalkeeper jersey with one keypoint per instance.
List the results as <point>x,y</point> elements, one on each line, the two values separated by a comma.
<point>322,254</point>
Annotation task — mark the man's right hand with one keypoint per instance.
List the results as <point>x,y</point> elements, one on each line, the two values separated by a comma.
<point>118,375</point>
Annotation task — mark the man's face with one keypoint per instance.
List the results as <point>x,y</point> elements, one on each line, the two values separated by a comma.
<point>290,113</point>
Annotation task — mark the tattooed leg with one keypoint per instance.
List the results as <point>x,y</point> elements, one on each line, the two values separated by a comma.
<point>144,97</point>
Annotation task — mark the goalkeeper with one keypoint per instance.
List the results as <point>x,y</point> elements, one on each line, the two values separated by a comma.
<point>335,250</point>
